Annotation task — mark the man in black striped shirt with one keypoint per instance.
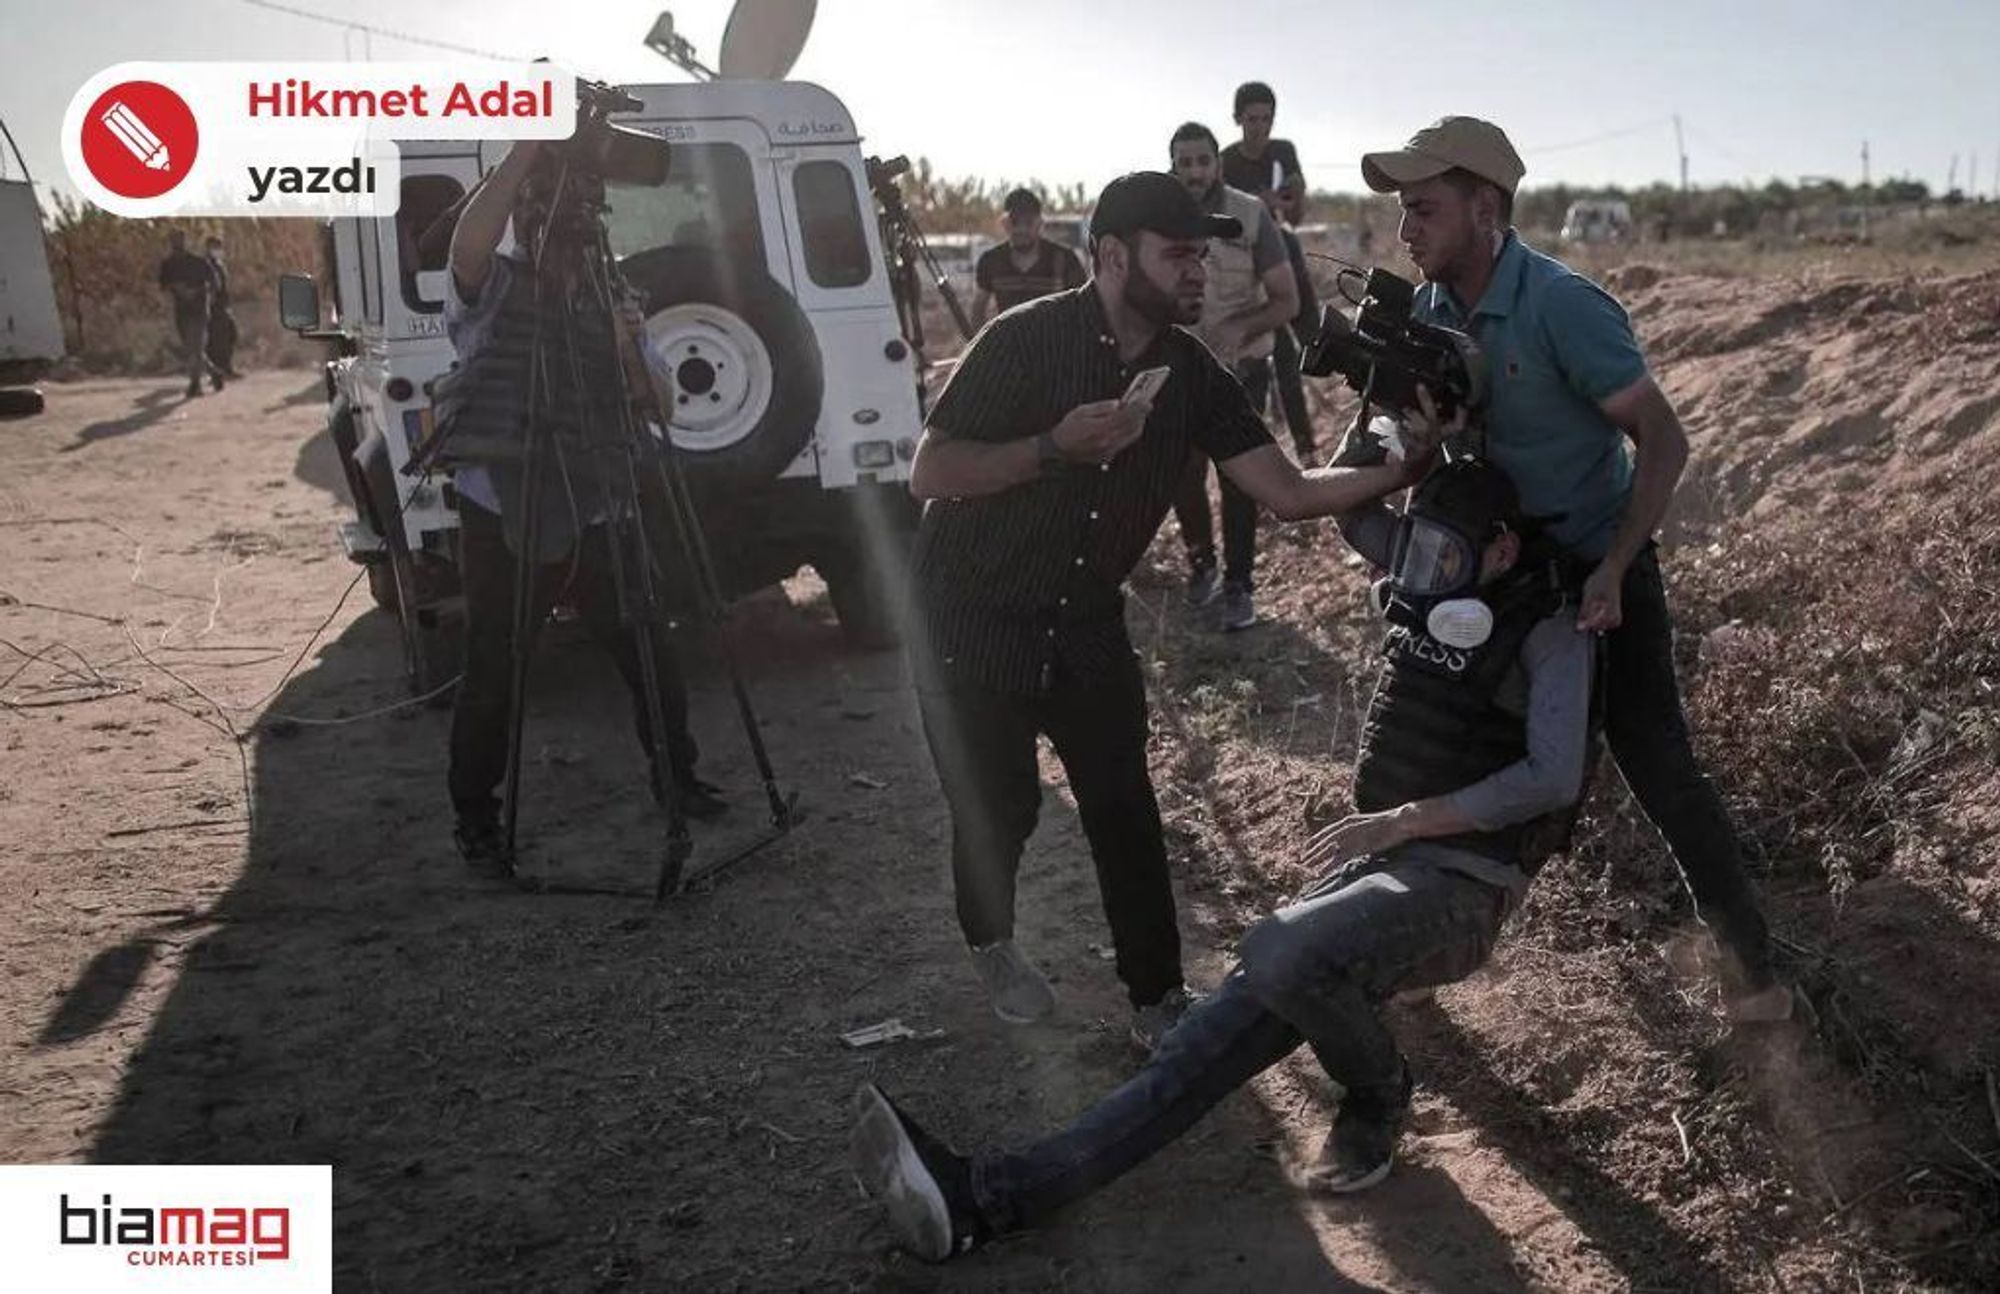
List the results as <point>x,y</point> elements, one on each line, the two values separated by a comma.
<point>1044,491</point>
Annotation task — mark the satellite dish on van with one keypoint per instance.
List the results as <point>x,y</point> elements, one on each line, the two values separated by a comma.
<point>764,37</point>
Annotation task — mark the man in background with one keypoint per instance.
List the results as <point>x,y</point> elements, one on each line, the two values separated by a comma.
<point>221,323</point>
<point>1257,163</point>
<point>189,282</point>
<point>1269,168</point>
<point>1250,293</point>
<point>1024,267</point>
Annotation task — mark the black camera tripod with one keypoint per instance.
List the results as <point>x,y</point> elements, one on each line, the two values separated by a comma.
<point>633,469</point>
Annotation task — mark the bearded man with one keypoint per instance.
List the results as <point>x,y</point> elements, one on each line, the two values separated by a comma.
<point>1044,489</point>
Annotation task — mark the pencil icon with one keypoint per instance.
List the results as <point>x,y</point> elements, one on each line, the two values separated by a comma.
<point>136,136</point>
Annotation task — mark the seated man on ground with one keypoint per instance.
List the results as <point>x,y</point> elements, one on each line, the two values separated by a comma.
<point>1472,761</point>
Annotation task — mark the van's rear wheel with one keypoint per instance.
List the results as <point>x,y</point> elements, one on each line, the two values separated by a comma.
<point>740,358</point>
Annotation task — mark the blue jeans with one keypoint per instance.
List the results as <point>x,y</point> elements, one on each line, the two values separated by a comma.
<point>1316,972</point>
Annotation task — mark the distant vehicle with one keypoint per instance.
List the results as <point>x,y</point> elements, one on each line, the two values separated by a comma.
<point>1071,229</point>
<point>958,256</point>
<point>31,335</point>
<point>1597,220</point>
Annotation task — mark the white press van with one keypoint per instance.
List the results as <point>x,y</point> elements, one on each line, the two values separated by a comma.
<point>769,309</point>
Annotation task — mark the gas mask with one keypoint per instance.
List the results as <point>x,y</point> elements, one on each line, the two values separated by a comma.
<point>1434,564</point>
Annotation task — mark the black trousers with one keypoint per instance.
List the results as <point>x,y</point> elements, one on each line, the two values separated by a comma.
<point>1648,736</point>
<point>1292,394</point>
<point>480,716</point>
<point>193,330</point>
<point>1239,510</point>
<point>983,744</point>
<point>222,339</point>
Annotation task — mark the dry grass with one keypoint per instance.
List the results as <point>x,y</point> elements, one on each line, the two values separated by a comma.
<point>116,319</point>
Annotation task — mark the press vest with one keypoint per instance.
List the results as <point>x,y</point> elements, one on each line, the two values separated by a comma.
<point>1233,283</point>
<point>1445,717</point>
<point>482,403</point>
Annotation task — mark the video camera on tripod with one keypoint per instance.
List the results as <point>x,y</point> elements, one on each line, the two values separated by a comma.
<point>564,195</point>
<point>904,242</point>
<point>1387,356</point>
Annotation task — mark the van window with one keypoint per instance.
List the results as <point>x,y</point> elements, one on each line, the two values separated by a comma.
<point>836,244</point>
<point>423,239</point>
<point>707,200</point>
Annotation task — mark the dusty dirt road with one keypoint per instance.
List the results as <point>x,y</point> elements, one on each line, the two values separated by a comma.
<point>560,1093</point>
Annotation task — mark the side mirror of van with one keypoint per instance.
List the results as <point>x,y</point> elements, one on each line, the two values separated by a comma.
<point>298,302</point>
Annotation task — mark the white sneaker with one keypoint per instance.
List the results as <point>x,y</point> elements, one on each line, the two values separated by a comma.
<point>1020,993</point>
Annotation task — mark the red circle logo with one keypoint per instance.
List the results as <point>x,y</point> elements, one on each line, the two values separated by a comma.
<point>139,139</point>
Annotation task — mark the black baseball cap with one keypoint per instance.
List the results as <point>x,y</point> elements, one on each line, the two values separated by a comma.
<point>1022,202</point>
<point>1157,201</point>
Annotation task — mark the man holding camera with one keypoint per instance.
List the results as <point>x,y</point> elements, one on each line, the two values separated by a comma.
<point>495,313</point>
<point>1251,292</point>
<point>1569,388</point>
<point>1044,489</point>
<point>1025,266</point>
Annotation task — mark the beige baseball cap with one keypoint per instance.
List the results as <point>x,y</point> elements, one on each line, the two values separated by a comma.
<point>1465,142</point>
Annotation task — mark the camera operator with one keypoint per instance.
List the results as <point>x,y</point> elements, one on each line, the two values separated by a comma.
<point>1251,293</point>
<point>1569,388</point>
<point>1045,489</point>
<point>494,315</point>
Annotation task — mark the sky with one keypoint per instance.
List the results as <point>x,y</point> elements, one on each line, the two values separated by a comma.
<point>1080,92</point>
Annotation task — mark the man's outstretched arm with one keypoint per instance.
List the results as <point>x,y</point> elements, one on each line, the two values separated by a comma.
<point>1275,481</point>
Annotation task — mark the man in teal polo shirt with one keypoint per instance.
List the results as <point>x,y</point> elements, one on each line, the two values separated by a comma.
<point>1569,390</point>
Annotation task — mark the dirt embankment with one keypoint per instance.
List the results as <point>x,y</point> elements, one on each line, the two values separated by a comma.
<point>583,1093</point>
<point>1836,589</point>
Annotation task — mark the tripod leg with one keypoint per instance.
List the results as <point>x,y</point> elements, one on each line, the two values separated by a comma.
<point>639,611</point>
<point>525,565</point>
<point>687,524</point>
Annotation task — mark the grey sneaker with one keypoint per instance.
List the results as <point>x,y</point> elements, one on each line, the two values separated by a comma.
<point>1020,993</point>
<point>1239,611</point>
<point>1361,1149</point>
<point>1152,1023</point>
<point>1204,584</point>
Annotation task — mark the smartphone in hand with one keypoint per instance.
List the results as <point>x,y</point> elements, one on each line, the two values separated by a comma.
<point>1145,386</point>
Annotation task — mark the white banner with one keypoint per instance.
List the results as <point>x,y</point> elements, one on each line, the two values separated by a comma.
<point>260,139</point>
<point>85,1228</point>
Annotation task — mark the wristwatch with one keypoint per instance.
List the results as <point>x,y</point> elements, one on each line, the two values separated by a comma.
<point>1048,457</point>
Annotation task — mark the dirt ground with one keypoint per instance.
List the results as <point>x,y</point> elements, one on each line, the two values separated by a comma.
<point>235,931</point>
